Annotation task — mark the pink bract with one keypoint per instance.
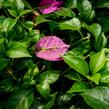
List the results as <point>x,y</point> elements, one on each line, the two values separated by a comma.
<point>49,6</point>
<point>51,48</point>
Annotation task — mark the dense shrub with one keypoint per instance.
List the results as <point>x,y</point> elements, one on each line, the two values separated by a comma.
<point>54,54</point>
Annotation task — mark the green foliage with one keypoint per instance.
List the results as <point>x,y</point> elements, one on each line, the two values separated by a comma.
<point>79,81</point>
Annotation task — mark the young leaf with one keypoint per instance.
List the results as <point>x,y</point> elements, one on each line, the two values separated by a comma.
<point>78,64</point>
<point>97,61</point>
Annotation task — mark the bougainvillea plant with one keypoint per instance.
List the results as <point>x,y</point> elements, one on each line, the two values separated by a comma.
<point>54,54</point>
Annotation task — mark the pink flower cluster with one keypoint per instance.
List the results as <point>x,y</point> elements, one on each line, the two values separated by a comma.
<point>51,48</point>
<point>49,6</point>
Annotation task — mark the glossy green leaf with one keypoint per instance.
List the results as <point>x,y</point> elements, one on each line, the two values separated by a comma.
<point>20,4</point>
<point>31,73</point>
<point>71,3</point>
<point>95,78</point>
<point>12,12</point>
<point>75,76</point>
<point>8,24</point>
<point>43,89</point>
<point>95,29</point>
<point>40,19</point>
<point>97,61</point>
<point>73,24</point>
<point>104,77</point>
<point>65,12</point>
<point>21,99</point>
<point>49,76</point>
<point>17,50</point>
<point>78,87</point>
<point>28,25</point>
<point>97,98</point>
<point>78,64</point>
<point>25,12</point>
<point>85,9</point>
<point>101,42</point>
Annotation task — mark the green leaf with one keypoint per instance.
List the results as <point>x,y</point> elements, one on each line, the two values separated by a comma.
<point>7,85</point>
<point>20,4</point>
<point>43,89</point>
<point>31,73</point>
<point>40,19</point>
<point>78,64</point>
<point>71,3</point>
<point>65,12</point>
<point>17,50</point>
<point>85,9</point>
<point>35,34</point>
<point>101,42</point>
<point>73,24</point>
<point>95,78</point>
<point>27,4</point>
<point>12,12</point>
<point>97,61</point>
<point>28,25</point>
<point>95,29</point>
<point>49,77</point>
<point>24,12</point>
<point>97,98</point>
<point>104,77</point>
<point>51,102</point>
<point>21,99</point>
<point>75,76</point>
<point>16,5</point>
<point>8,24</point>
<point>3,63</point>
<point>78,87</point>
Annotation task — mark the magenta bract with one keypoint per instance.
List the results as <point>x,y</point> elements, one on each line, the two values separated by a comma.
<point>49,6</point>
<point>51,48</point>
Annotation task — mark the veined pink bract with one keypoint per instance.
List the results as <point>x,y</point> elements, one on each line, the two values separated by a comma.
<point>49,6</point>
<point>51,48</point>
